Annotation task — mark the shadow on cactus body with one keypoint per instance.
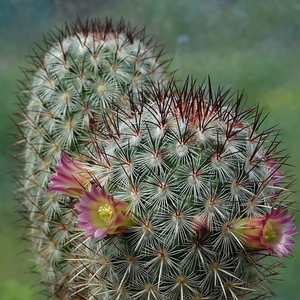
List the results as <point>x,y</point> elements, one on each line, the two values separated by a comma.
<point>157,196</point>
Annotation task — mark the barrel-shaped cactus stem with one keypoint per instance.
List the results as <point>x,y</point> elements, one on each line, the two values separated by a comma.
<point>203,195</point>
<point>84,69</point>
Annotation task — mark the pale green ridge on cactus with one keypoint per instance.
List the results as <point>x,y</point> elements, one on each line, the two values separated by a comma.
<point>181,156</point>
<point>84,69</point>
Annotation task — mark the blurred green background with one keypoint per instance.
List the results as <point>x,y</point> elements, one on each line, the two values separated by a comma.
<point>250,45</point>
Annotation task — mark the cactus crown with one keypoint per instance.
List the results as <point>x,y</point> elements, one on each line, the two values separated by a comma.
<point>157,191</point>
<point>189,165</point>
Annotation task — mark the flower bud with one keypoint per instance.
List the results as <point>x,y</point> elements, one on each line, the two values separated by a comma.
<point>72,177</point>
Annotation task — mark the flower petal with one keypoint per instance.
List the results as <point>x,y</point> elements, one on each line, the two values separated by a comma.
<point>101,233</point>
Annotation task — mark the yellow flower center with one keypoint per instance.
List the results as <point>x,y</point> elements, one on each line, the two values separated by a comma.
<point>105,212</point>
<point>269,232</point>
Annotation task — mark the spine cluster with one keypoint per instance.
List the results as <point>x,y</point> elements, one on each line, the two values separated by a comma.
<point>137,188</point>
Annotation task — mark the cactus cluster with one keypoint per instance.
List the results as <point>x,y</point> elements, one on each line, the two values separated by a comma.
<point>136,187</point>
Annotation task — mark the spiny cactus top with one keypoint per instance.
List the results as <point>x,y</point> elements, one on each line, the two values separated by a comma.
<point>171,194</point>
<point>84,69</point>
<point>196,201</point>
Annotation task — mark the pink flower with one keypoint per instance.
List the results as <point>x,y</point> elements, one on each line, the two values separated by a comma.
<point>72,177</point>
<point>271,231</point>
<point>100,214</point>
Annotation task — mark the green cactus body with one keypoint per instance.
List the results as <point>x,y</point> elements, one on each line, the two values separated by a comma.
<point>84,70</point>
<point>188,165</point>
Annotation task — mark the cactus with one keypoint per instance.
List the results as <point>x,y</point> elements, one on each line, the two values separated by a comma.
<point>154,192</point>
<point>199,191</point>
<point>84,69</point>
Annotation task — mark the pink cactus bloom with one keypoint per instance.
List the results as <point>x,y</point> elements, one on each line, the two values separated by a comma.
<point>100,214</point>
<point>271,231</point>
<point>72,177</point>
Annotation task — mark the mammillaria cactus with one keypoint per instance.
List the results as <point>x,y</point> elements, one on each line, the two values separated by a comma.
<point>171,194</point>
<point>84,69</point>
<point>203,201</point>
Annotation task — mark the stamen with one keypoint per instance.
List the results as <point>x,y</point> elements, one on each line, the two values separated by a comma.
<point>268,231</point>
<point>105,212</point>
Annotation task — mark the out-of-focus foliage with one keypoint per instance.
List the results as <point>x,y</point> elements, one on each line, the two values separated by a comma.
<point>247,44</point>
